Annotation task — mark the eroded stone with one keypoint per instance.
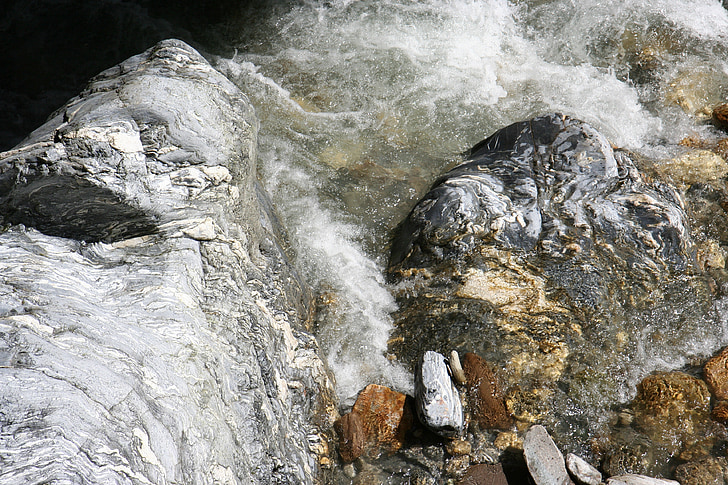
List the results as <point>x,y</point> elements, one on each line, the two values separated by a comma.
<point>436,397</point>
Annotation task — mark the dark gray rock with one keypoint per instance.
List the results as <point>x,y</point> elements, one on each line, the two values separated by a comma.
<point>152,328</point>
<point>582,471</point>
<point>436,397</point>
<point>545,461</point>
<point>548,254</point>
<point>549,181</point>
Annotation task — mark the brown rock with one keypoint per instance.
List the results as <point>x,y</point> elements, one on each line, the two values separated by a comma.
<point>485,475</point>
<point>708,471</point>
<point>489,408</point>
<point>720,412</point>
<point>715,373</point>
<point>672,410</point>
<point>379,420</point>
<point>720,116</point>
<point>351,436</point>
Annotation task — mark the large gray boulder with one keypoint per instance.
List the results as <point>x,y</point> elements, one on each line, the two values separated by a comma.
<point>549,254</point>
<point>151,328</point>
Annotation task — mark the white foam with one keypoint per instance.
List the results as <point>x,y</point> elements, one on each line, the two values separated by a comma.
<point>444,74</point>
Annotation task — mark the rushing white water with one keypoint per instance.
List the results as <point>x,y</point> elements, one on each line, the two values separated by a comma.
<point>362,103</point>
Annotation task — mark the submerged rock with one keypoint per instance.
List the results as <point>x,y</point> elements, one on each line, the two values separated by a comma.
<point>548,254</point>
<point>436,397</point>
<point>484,394</point>
<point>485,475</point>
<point>707,471</point>
<point>632,479</point>
<point>151,328</point>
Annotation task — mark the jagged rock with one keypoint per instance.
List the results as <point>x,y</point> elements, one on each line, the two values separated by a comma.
<point>484,393</point>
<point>715,373</point>
<point>545,461</point>
<point>631,479</point>
<point>582,471</point>
<point>152,328</point>
<point>547,253</point>
<point>708,471</point>
<point>380,419</point>
<point>436,397</point>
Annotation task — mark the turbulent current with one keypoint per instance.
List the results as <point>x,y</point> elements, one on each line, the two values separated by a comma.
<point>364,103</point>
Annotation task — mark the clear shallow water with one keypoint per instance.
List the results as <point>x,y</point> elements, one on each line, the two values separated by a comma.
<point>363,103</point>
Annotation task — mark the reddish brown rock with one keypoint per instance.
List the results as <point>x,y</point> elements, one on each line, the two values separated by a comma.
<point>351,436</point>
<point>484,394</point>
<point>720,116</point>
<point>720,412</point>
<point>485,475</point>
<point>378,421</point>
<point>715,373</point>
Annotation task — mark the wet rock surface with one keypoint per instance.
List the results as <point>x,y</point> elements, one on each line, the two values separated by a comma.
<point>715,373</point>
<point>548,254</point>
<point>633,479</point>
<point>151,328</point>
<point>707,471</point>
<point>484,394</point>
<point>379,421</point>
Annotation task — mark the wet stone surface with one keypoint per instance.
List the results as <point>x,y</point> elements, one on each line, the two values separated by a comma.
<point>547,253</point>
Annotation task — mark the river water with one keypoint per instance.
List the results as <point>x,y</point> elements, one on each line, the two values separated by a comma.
<point>363,103</point>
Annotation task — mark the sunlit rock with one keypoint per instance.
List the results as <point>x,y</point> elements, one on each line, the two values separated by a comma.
<point>550,255</point>
<point>544,460</point>
<point>151,328</point>
<point>436,397</point>
<point>379,421</point>
<point>583,472</point>
<point>715,373</point>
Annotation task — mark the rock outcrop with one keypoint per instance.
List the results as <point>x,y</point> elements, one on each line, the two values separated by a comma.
<point>550,255</point>
<point>151,328</point>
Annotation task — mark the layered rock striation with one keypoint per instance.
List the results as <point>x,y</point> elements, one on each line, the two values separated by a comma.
<point>151,328</point>
<point>550,255</point>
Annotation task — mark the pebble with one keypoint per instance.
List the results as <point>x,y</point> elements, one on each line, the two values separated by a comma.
<point>582,471</point>
<point>544,460</point>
